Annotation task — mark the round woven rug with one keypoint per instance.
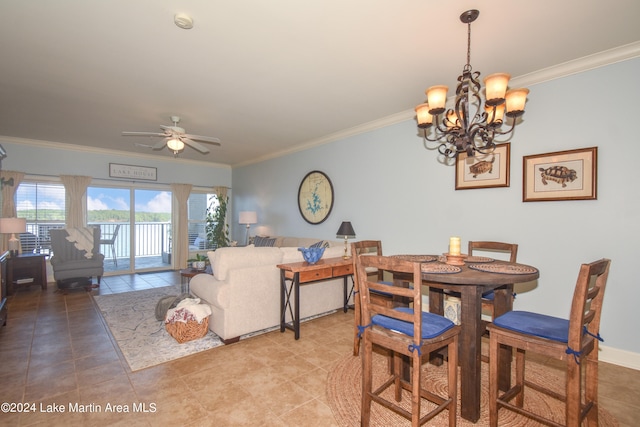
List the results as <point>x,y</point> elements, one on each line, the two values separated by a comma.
<point>344,391</point>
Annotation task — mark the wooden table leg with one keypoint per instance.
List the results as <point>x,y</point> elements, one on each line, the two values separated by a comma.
<point>502,303</point>
<point>469,351</point>
<point>436,306</point>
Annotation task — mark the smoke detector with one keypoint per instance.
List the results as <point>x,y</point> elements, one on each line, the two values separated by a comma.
<point>183,21</point>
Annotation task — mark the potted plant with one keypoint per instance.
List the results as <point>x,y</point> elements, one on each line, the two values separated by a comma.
<point>199,262</point>
<point>216,226</point>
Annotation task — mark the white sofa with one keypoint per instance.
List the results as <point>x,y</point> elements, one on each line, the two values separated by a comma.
<point>244,290</point>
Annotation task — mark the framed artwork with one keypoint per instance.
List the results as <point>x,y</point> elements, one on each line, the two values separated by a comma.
<point>484,170</point>
<point>315,197</point>
<point>562,175</point>
<point>117,170</point>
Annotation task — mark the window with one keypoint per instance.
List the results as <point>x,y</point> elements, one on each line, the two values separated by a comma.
<point>197,214</point>
<point>43,206</point>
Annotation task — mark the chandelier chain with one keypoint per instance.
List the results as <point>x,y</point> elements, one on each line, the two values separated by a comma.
<point>469,44</point>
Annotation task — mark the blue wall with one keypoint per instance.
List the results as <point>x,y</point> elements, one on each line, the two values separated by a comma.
<point>391,188</point>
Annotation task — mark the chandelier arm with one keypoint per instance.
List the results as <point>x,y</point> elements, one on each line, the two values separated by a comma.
<point>440,129</point>
<point>505,136</point>
<point>481,138</point>
<point>426,137</point>
<point>512,126</point>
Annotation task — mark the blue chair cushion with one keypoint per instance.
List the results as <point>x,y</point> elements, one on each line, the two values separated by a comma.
<point>432,324</point>
<point>373,291</point>
<point>489,296</point>
<point>539,325</point>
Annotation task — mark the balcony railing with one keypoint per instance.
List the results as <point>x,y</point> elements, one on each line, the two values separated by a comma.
<point>151,238</point>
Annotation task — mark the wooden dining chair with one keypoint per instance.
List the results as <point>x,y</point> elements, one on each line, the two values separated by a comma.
<point>510,249</point>
<point>406,331</point>
<point>574,341</point>
<point>367,247</point>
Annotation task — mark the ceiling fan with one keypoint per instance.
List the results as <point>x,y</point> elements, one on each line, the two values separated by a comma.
<point>175,138</point>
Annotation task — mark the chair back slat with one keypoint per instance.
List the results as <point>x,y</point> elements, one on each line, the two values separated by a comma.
<point>510,248</point>
<point>369,247</point>
<point>586,306</point>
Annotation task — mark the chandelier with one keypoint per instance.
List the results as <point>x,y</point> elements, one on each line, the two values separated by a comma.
<point>470,127</point>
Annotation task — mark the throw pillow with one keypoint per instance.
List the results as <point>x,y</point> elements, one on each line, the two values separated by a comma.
<point>260,241</point>
<point>320,244</point>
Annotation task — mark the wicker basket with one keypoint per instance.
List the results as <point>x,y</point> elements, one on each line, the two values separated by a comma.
<point>189,331</point>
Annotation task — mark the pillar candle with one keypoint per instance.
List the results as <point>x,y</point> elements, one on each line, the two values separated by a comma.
<point>454,246</point>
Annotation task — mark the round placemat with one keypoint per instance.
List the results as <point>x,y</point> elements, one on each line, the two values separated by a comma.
<point>415,258</point>
<point>478,259</point>
<point>504,268</point>
<point>438,267</point>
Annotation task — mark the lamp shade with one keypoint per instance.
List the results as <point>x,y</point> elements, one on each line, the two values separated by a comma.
<point>437,98</point>
<point>248,217</point>
<point>346,230</point>
<point>496,87</point>
<point>516,99</point>
<point>425,119</point>
<point>13,225</point>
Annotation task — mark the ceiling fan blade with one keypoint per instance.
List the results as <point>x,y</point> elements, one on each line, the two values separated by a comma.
<point>208,139</point>
<point>142,134</point>
<point>193,144</point>
<point>139,144</point>
<point>160,145</point>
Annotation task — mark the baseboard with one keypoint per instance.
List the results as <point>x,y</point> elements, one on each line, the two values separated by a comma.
<point>619,357</point>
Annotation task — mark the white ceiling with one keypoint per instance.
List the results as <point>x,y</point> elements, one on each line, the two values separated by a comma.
<point>267,77</point>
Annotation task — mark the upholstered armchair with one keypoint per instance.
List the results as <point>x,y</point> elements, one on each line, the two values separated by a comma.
<point>76,253</point>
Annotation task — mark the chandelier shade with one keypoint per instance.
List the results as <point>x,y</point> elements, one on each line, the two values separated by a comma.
<point>472,125</point>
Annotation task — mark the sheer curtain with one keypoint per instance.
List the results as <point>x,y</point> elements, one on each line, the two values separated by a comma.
<point>179,224</point>
<point>8,198</point>
<point>75,191</point>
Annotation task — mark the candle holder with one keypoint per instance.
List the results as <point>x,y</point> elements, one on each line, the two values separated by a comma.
<point>454,259</point>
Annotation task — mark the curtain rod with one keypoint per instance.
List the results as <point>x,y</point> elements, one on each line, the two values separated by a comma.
<point>125,181</point>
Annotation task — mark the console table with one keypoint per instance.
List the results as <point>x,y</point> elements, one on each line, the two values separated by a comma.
<point>298,273</point>
<point>26,269</point>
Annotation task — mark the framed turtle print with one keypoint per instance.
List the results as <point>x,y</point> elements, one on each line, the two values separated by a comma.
<point>561,175</point>
<point>484,170</point>
<point>315,197</point>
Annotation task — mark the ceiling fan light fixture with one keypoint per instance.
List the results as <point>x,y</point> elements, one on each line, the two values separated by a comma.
<point>175,145</point>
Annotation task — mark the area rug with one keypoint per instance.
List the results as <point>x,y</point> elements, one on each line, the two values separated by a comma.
<point>344,393</point>
<point>142,339</point>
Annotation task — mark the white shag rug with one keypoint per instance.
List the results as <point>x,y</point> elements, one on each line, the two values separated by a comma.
<point>142,339</point>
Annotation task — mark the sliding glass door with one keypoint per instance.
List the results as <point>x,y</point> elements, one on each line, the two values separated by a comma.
<point>152,218</point>
<point>135,226</point>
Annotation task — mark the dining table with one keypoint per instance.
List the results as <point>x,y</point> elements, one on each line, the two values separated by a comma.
<point>470,278</point>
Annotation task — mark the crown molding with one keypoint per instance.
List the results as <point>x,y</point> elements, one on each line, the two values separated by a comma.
<point>103,151</point>
<point>601,59</point>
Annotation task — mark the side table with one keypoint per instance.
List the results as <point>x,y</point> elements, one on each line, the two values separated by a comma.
<point>26,269</point>
<point>187,273</point>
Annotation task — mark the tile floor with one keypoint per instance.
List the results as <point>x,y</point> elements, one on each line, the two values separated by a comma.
<point>56,349</point>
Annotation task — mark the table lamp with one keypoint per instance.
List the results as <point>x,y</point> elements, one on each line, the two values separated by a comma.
<point>248,218</point>
<point>346,231</point>
<point>13,226</point>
